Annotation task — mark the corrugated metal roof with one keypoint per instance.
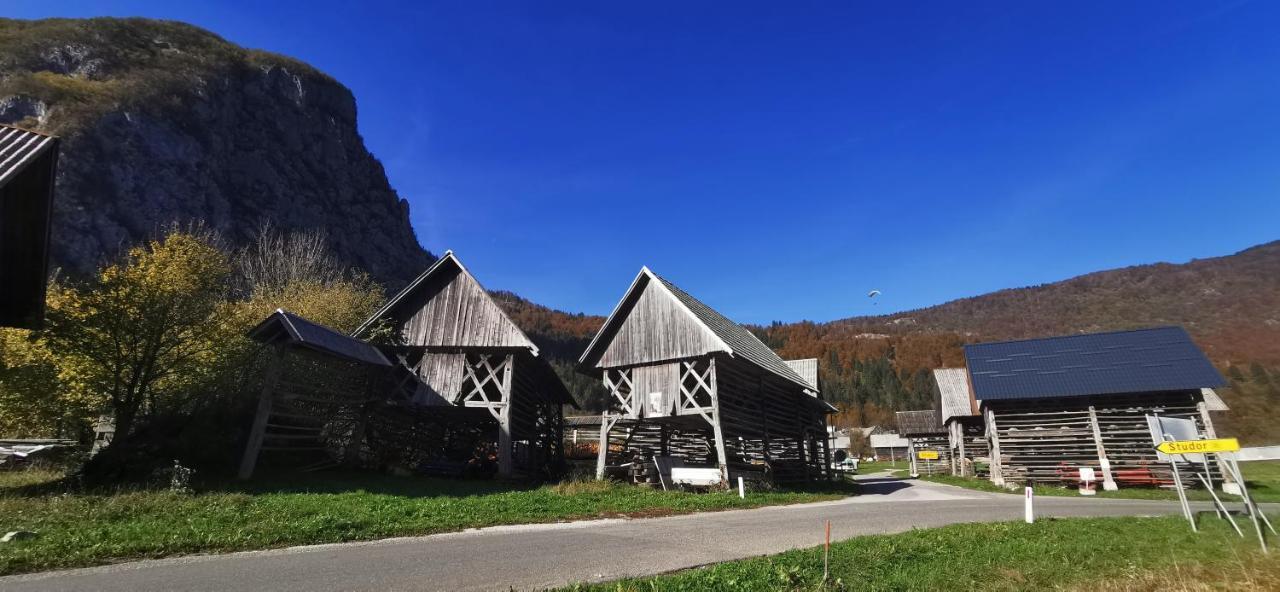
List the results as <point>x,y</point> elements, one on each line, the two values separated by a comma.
<point>953,392</point>
<point>807,369</point>
<point>1212,401</point>
<point>300,331</point>
<point>18,148</point>
<point>888,441</point>
<point>925,421</point>
<point>1138,361</point>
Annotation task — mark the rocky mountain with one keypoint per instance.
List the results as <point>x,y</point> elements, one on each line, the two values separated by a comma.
<point>166,123</point>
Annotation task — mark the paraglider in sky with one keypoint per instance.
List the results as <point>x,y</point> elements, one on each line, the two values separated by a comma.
<point>872,295</point>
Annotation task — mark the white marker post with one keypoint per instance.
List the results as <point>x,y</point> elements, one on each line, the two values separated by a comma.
<point>742,489</point>
<point>1030,516</point>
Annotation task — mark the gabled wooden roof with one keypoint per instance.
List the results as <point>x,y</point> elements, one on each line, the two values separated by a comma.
<point>954,399</point>
<point>447,307</point>
<point>912,423</point>
<point>656,321</point>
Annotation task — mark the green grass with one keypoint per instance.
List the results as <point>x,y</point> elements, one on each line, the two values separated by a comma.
<point>1050,554</point>
<point>79,529</point>
<point>1263,480</point>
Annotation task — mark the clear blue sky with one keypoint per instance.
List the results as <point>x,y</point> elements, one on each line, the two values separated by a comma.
<point>779,160</point>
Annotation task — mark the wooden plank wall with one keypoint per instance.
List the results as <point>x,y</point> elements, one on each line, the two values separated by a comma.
<point>453,310</point>
<point>1049,439</point>
<point>657,329</point>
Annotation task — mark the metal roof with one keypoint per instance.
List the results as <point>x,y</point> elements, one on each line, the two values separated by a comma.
<point>282,324</point>
<point>735,339</point>
<point>19,148</point>
<point>1138,361</point>
<point>954,398</point>
<point>807,369</point>
<point>925,421</point>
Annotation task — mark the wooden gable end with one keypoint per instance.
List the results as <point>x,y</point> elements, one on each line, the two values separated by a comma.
<point>658,328</point>
<point>451,309</point>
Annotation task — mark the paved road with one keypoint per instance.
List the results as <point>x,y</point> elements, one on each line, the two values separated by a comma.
<point>549,555</point>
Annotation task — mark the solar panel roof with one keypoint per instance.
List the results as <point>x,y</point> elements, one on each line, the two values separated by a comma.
<point>1137,361</point>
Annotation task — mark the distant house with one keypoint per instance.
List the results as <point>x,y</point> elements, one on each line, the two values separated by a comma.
<point>28,166</point>
<point>890,446</point>
<point>1051,406</point>
<point>925,434</point>
<point>958,412</point>
<point>689,384</point>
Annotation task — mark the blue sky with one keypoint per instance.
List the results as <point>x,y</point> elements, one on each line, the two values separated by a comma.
<point>780,160</point>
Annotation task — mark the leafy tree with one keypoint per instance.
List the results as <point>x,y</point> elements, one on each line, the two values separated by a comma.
<point>147,332</point>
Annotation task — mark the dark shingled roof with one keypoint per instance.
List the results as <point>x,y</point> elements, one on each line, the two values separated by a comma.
<point>1139,361</point>
<point>284,325</point>
<point>912,423</point>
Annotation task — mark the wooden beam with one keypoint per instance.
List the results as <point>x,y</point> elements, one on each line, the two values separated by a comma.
<point>254,446</point>
<point>1108,483</point>
<point>1229,484</point>
<point>717,433</point>
<point>996,470</point>
<point>505,464</point>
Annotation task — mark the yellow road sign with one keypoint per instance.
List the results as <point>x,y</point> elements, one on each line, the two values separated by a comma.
<point>1199,446</point>
<point>927,455</point>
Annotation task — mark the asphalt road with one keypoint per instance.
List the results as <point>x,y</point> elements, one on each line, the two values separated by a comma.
<point>550,555</point>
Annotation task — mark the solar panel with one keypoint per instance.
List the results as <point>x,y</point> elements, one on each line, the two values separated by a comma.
<point>1139,361</point>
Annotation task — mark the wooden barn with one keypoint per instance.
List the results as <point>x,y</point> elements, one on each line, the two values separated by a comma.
<point>469,362</point>
<point>689,385</point>
<point>1051,406</point>
<point>890,446</point>
<point>924,433</point>
<point>958,413</point>
<point>453,387</point>
<point>28,166</point>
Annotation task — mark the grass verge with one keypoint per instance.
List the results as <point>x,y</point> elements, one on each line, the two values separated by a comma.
<point>1085,554</point>
<point>1263,481</point>
<point>81,529</point>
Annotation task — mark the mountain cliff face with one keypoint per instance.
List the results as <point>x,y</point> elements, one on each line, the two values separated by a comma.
<point>167,123</point>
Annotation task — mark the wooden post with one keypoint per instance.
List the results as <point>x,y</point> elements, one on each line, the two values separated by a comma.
<point>717,433</point>
<point>960,462</point>
<point>505,464</point>
<point>1108,483</point>
<point>1229,484</point>
<point>996,469</point>
<point>826,449</point>
<point>914,471</point>
<point>256,432</point>
<point>606,425</point>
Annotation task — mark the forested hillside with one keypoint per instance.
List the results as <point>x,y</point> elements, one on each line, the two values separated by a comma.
<point>871,366</point>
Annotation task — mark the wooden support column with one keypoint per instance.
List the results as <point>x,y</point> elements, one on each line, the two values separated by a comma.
<point>505,464</point>
<point>1108,483</point>
<point>1229,484</point>
<point>606,425</point>
<point>996,469</point>
<point>826,449</point>
<point>256,432</point>
<point>716,432</point>
<point>959,427</point>
<point>911,456</point>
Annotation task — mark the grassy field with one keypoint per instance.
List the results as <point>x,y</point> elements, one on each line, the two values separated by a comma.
<point>1263,480</point>
<point>79,529</point>
<point>873,467</point>
<point>1075,554</point>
